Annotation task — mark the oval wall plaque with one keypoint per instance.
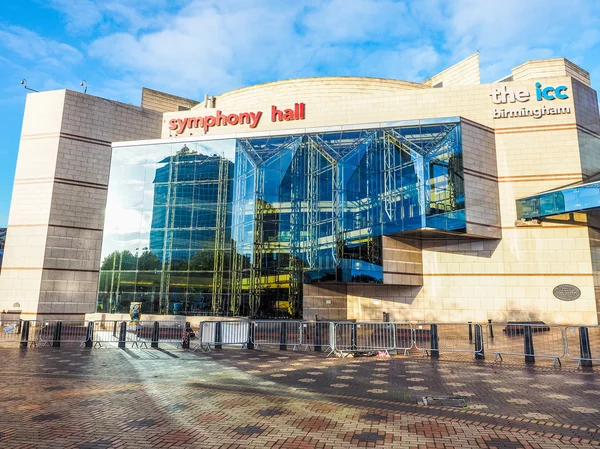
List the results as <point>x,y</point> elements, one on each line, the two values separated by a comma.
<point>566,292</point>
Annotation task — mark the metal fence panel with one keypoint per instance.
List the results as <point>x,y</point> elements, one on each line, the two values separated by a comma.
<point>46,332</point>
<point>206,335</point>
<point>457,337</point>
<point>106,332</point>
<point>74,332</point>
<point>273,333</point>
<point>318,334</point>
<point>16,332</point>
<point>525,339</point>
<point>365,337</point>
<point>404,337</point>
<point>138,335</point>
<point>433,338</point>
<point>223,333</point>
<point>10,331</point>
<point>583,343</point>
<point>52,332</point>
<point>170,332</point>
<point>422,337</point>
<point>109,333</point>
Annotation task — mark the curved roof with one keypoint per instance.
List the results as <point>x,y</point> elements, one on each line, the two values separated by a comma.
<point>316,86</point>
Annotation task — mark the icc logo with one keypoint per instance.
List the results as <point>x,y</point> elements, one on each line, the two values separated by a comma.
<point>504,94</point>
<point>550,93</point>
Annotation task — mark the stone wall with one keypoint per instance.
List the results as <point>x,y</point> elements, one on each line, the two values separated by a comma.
<point>162,102</point>
<point>54,236</point>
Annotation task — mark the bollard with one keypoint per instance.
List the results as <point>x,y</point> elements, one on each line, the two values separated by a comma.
<point>318,338</point>
<point>283,338</point>
<point>122,334</point>
<point>155,335</point>
<point>19,326</point>
<point>56,337</point>
<point>250,343</point>
<point>218,335</point>
<point>585,348</point>
<point>114,329</point>
<point>89,340</point>
<point>24,335</point>
<point>435,346</point>
<point>479,351</point>
<point>354,336</point>
<point>490,327</point>
<point>528,342</point>
<point>470,331</point>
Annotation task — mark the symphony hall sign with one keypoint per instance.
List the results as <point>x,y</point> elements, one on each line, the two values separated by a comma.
<point>179,125</point>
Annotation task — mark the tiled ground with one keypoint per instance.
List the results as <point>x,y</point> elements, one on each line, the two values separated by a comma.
<point>138,398</point>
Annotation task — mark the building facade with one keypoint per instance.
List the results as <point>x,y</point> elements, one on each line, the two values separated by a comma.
<point>341,198</point>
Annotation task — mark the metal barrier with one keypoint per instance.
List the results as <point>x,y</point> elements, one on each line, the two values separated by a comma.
<point>583,344</point>
<point>364,337</point>
<point>422,337</point>
<point>154,332</point>
<point>405,337</point>
<point>10,331</point>
<point>19,331</point>
<point>54,332</point>
<point>223,333</point>
<point>529,340</point>
<point>120,333</point>
<point>318,335</point>
<point>433,338</point>
<point>106,332</point>
<point>171,332</point>
<point>281,333</point>
<point>140,334</point>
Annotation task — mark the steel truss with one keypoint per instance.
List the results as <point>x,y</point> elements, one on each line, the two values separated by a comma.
<point>220,224</point>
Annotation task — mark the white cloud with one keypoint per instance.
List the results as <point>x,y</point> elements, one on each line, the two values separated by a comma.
<point>83,16</point>
<point>208,48</point>
<point>357,21</point>
<point>411,63</point>
<point>203,46</point>
<point>514,31</point>
<point>29,45</point>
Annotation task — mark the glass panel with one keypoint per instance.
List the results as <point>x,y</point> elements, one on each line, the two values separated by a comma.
<point>238,226</point>
<point>568,200</point>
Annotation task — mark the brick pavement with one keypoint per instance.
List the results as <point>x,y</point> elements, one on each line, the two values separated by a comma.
<point>137,398</point>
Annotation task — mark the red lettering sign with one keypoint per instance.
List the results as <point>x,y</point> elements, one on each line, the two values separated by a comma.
<point>288,114</point>
<point>179,125</point>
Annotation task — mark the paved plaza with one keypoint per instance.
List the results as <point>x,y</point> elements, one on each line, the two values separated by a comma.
<point>137,398</point>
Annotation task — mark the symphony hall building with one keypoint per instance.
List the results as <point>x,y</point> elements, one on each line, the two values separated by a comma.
<point>342,197</point>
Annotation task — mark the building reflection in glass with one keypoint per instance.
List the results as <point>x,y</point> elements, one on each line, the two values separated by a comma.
<point>236,227</point>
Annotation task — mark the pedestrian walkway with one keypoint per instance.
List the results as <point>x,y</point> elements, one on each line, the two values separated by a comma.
<point>101,399</point>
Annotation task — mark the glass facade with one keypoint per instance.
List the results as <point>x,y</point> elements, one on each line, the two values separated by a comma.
<point>237,226</point>
<point>578,198</point>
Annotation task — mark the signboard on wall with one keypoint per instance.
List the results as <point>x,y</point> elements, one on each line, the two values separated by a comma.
<point>506,95</point>
<point>252,119</point>
<point>566,292</point>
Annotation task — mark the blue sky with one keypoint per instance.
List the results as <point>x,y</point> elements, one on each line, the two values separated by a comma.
<point>194,47</point>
